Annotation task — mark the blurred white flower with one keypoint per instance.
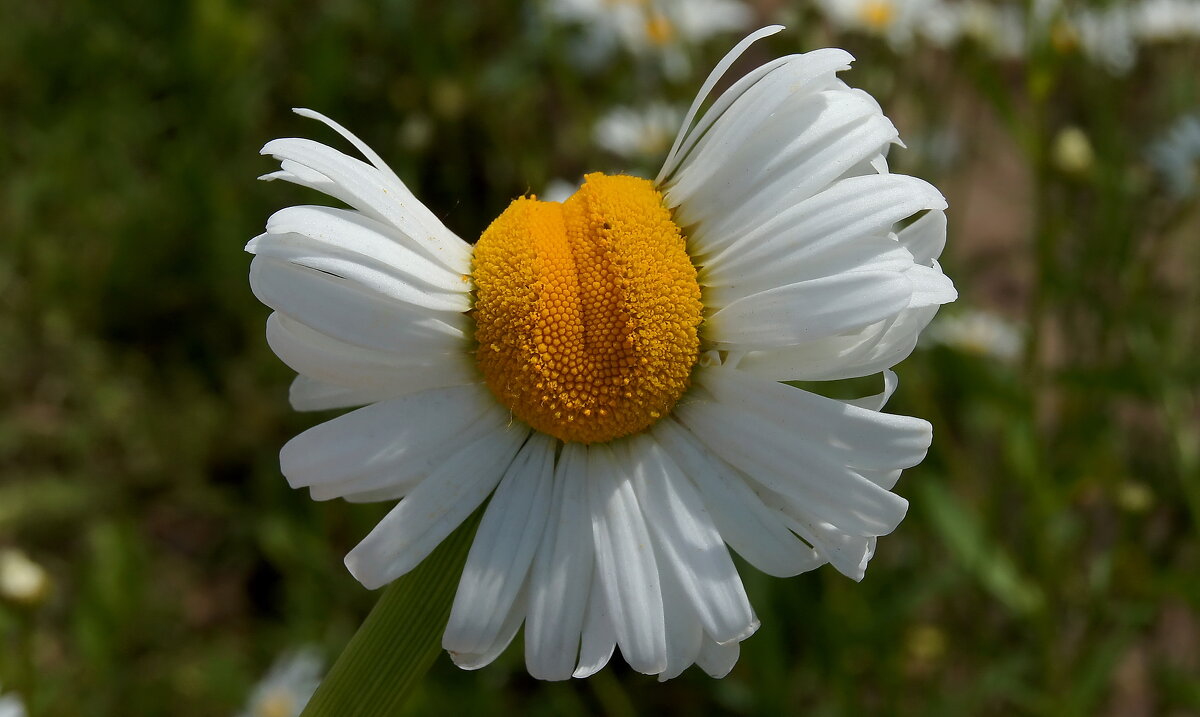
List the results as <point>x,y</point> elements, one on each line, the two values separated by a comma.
<point>636,133</point>
<point>1106,36</point>
<point>22,580</point>
<point>11,706</point>
<point>978,332</point>
<point>1072,151</point>
<point>999,29</point>
<point>940,147</point>
<point>558,190</point>
<point>1176,156</point>
<point>895,20</point>
<point>288,686</point>
<point>660,30</point>
<point>1166,20</point>
<point>415,132</point>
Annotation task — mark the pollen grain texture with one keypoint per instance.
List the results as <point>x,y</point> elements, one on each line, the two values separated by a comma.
<point>586,312</point>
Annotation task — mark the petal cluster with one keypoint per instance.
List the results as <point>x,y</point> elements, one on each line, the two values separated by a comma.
<point>814,262</point>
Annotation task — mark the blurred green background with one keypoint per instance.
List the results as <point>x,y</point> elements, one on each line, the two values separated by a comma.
<point>1049,564</point>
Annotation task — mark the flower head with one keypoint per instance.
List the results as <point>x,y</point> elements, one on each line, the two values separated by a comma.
<point>607,369</point>
<point>896,20</point>
<point>288,686</point>
<point>11,705</point>
<point>637,133</point>
<point>662,30</point>
<point>22,580</point>
<point>978,332</point>
<point>1175,156</point>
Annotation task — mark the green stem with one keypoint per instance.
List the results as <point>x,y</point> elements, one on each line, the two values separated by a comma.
<point>399,640</point>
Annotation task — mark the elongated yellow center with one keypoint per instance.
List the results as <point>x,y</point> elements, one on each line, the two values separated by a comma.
<point>586,312</point>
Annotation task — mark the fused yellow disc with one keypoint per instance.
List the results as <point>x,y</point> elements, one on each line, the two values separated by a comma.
<point>586,312</point>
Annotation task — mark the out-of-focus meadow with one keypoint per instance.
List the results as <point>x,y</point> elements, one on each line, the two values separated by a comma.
<point>155,562</point>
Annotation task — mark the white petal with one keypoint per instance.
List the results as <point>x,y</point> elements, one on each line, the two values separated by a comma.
<point>861,437</point>
<point>345,232</point>
<point>755,531</point>
<point>799,241</point>
<point>331,361</point>
<point>849,554</point>
<point>628,571</point>
<point>730,130</point>
<point>599,638</point>
<point>310,394</point>
<point>876,254</point>
<point>871,350</point>
<point>410,532</point>
<point>808,310</point>
<point>503,550</point>
<point>930,286</point>
<point>883,479</point>
<point>828,132</point>
<point>879,400</point>
<point>717,660</point>
<point>687,544</point>
<point>840,129</point>
<point>792,466</point>
<point>394,478</point>
<point>509,625</point>
<point>372,276</point>
<point>684,631</point>
<point>406,438</point>
<point>562,573</point>
<point>353,313</point>
<point>375,160</point>
<point>926,237</point>
<point>709,83</point>
<point>368,190</point>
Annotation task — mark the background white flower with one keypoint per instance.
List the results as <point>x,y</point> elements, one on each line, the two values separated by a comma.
<point>21,579</point>
<point>1176,156</point>
<point>288,686</point>
<point>637,133</point>
<point>12,706</point>
<point>979,332</point>
<point>662,30</point>
<point>899,21</point>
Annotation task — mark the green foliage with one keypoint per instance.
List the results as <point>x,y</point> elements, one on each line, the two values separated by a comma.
<point>1049,565</point>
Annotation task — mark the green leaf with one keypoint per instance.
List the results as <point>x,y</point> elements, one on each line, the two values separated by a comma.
<point>962,532</point>
<point>399,640</point>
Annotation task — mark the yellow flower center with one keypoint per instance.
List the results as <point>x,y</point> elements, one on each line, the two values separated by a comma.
<point>278,703</point>
<point>877,14</point>
<point>586,312</point>
<point>659,30</point>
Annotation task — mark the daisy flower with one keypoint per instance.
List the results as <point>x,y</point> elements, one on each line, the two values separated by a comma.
<point>979,332</point>
<point>1166,20</point>
<point>637,133</point>
<point>1175,156</point>
<point>1106,37</point>
<point>288,686</point>
<point>12,706</point>
<point>896,20</point>
<point>22,580</point>
<point>663,30</point>
<point>608,370</point>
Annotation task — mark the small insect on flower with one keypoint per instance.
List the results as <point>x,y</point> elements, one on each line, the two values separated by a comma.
<point>608,370</point>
